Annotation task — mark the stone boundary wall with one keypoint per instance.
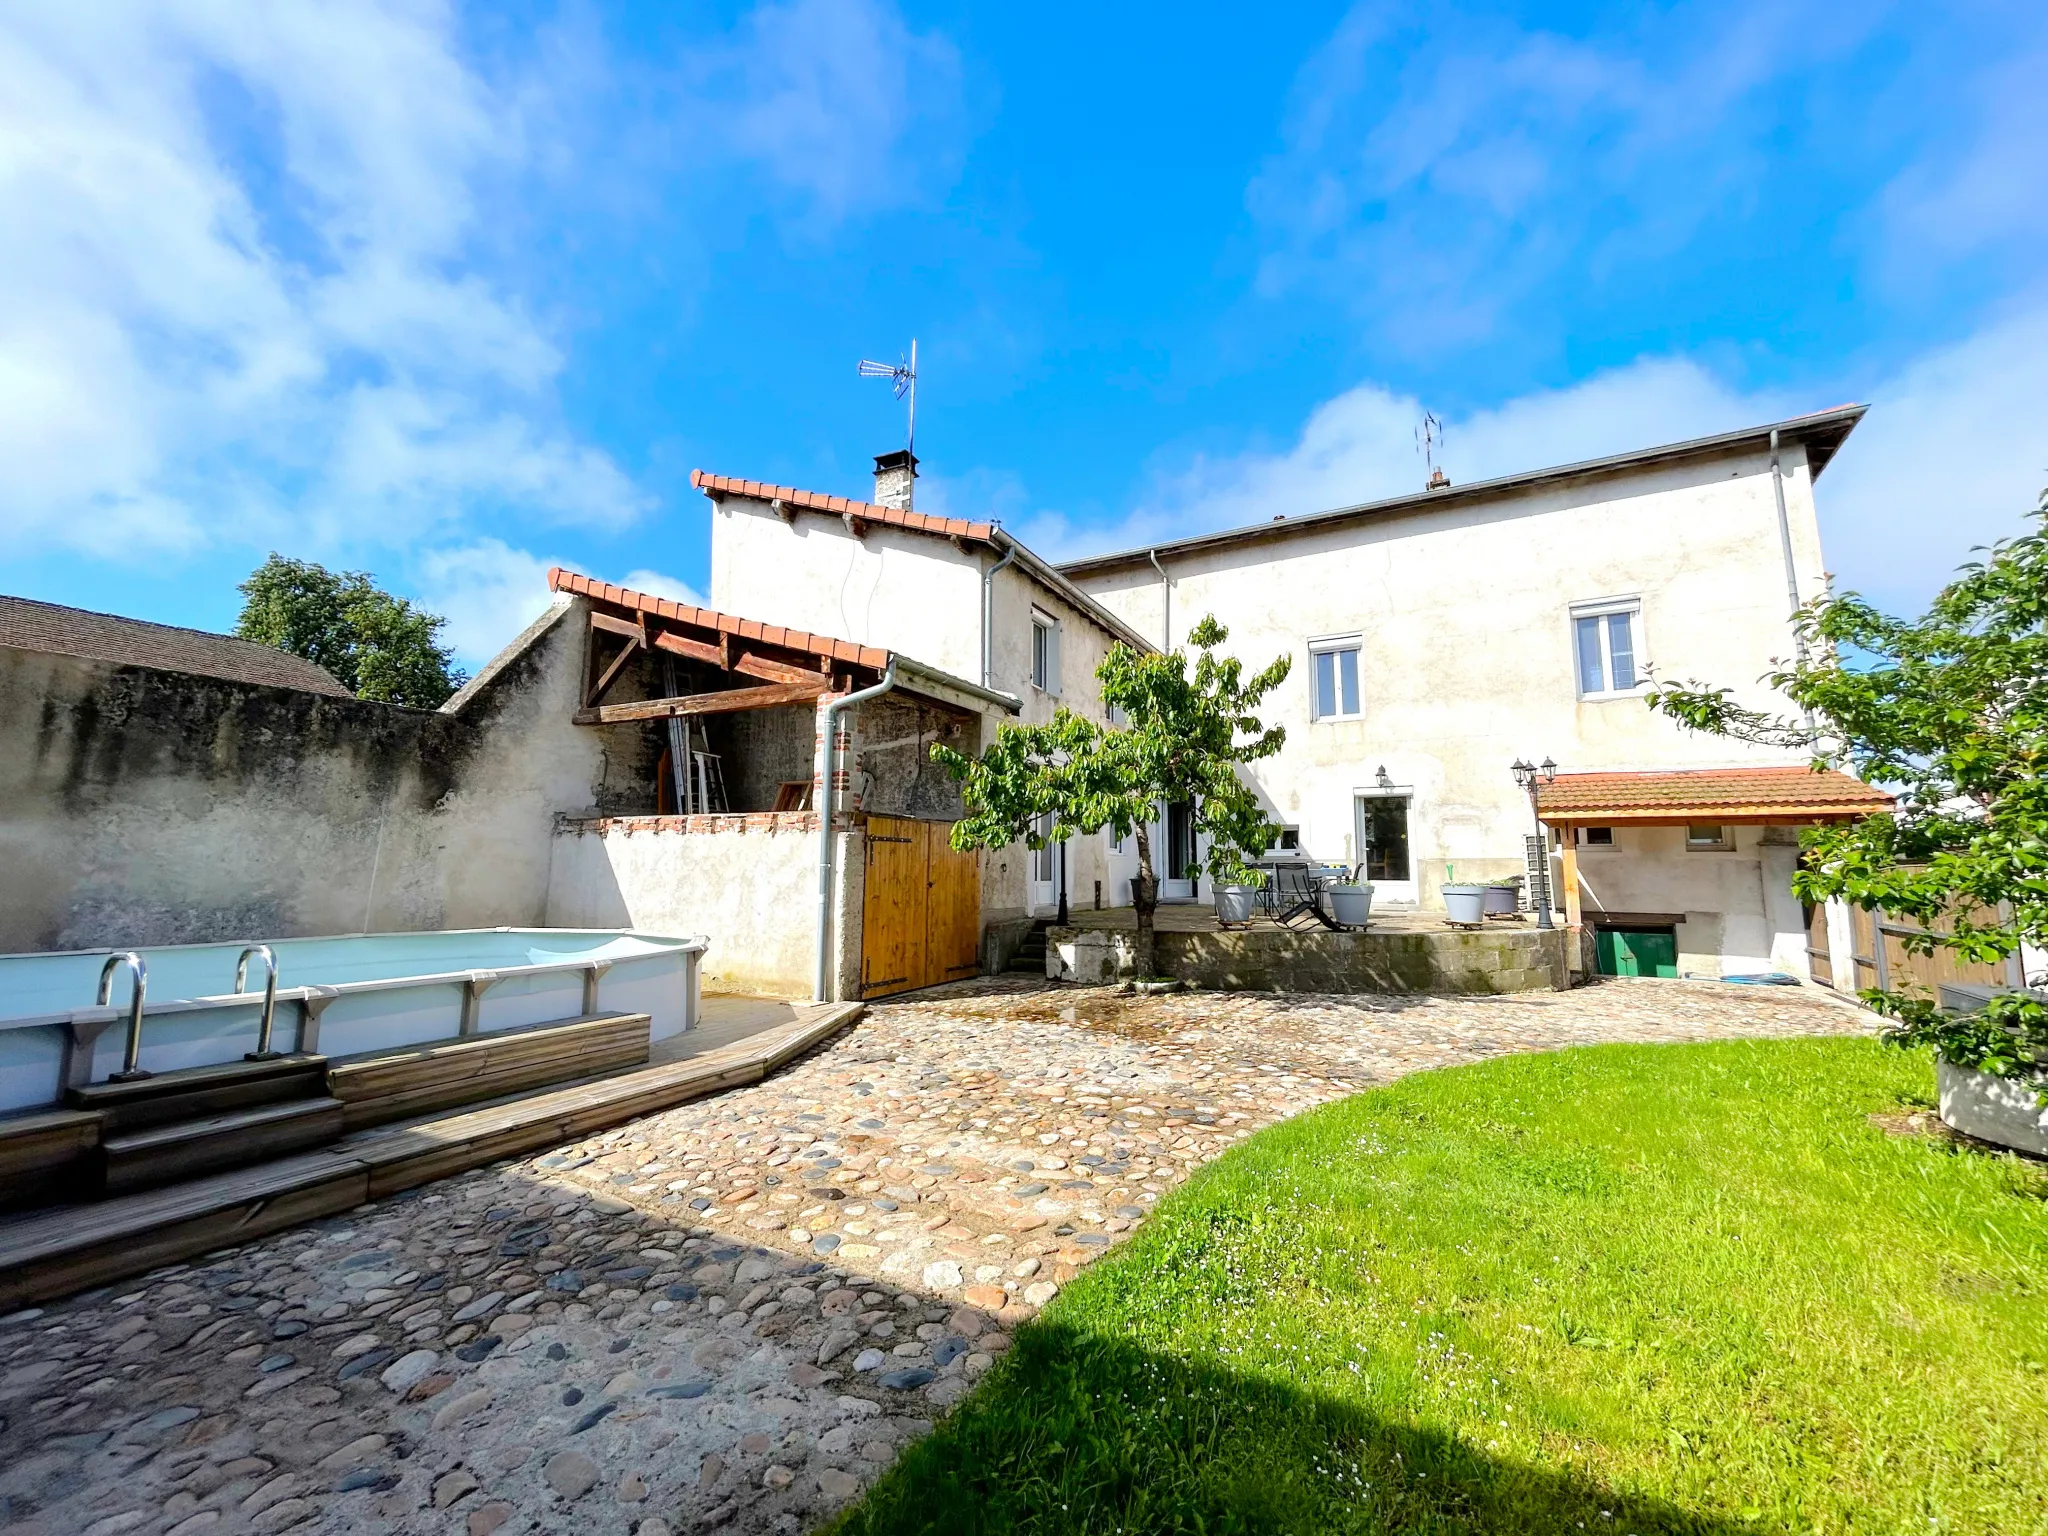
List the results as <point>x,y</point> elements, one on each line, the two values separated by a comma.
<point>1491,960</point>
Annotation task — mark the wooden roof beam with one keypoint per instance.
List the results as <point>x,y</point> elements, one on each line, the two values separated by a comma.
<point>730,701</point>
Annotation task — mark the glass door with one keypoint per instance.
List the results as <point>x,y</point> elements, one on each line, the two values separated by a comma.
<point>1382,833</point>
<point>1179,846</point>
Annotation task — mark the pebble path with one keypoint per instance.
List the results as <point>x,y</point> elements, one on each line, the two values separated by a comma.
<point>729,1316</point>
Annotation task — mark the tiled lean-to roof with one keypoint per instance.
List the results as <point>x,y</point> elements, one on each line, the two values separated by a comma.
<point>27,625</point>
<point>724,623</point>
<point>1709,794</point>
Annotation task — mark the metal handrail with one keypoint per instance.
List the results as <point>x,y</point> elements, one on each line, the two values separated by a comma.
<point>130,1070</point>
<point>263,1052</point>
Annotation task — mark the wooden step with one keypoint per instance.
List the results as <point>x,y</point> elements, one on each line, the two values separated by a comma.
<point>192,1092</point>
<point>381,1086</point>
<point>47,1254</point>
<point>43,1154</point>
<point>53,1253</point>
<point>164,1154</point>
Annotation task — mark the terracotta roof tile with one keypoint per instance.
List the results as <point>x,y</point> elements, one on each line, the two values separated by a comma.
<point>560,580</point>
<point>837,506</point>
<point>1726,794</point>
<point>28,625</point>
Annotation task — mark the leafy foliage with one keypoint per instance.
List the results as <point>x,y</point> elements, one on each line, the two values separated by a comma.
<point>379,646</point>
<point>1187,733</point>
<point>1950,712</point>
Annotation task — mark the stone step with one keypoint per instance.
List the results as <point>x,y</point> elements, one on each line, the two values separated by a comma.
<point>164,1154</point>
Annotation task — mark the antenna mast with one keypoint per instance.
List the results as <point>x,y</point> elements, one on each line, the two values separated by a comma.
<point>904,376</point>
<point>1429,437</point>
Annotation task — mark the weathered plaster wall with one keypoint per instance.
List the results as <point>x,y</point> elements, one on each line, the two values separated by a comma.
<point>1740,914</point>
<point>1467,659</point>
<point>145,807</point>
<point>892,589</point>
<point>747,882</point>
<point>760,750</point>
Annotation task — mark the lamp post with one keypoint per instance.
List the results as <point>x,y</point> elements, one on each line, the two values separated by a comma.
<point>1529,776</point>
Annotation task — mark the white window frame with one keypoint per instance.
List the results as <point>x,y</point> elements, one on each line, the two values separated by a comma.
<point>1722,842</point>
<point>1602,608</point>
<point>1048,681</point>
<point>1337,645</point>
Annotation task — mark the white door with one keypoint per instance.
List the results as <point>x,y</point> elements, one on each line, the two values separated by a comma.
<point>1044,872</point>
<point>1380,817</point>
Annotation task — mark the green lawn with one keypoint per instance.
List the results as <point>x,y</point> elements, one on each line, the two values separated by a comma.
<point>1620,1289</point>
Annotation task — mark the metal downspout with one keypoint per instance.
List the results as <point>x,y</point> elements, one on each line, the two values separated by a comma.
<point>1785,541</point>
<point>988,618</point>
<point>1166,598</point>
<point>829,799</point>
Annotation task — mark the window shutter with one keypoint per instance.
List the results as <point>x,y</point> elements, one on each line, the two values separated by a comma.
<point>1052,659</point>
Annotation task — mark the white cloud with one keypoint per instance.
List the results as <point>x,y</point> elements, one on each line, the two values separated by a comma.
<point>487,591</point>
<point>1361,446</point>
<point>824,94</point>
<point>1953,454</point>
<point>235,296</point>
<point>657,584</point>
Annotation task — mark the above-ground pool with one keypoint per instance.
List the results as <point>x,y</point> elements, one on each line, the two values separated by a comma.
<point>338,996</point>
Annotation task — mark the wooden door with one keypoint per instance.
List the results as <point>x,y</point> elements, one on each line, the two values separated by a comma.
<point>892,944</point>
<point>921,911</point>
<point>953,913</point>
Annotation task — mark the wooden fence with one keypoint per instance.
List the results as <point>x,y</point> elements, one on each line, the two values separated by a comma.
<point>1878,957</point>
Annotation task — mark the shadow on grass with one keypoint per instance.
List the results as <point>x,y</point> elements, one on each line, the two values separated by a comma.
<point>1077,1433</point>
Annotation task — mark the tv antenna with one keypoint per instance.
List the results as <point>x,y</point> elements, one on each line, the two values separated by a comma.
<point>905,376</point>
<point>1429,437</point>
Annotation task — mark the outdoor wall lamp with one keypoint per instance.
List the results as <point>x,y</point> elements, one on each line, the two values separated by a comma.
<point>1529,776</point>
<point>1381,778</point>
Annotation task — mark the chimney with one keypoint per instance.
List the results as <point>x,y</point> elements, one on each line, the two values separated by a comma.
<point>895,479</point>
<point>1438,481</point>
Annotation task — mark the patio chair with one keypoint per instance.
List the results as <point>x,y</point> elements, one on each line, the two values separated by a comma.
<point>1300,887</point>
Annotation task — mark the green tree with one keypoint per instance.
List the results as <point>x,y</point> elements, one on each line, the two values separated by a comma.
<point>379,646</point>
<point>1183,741</point>
<point>1950,712</point>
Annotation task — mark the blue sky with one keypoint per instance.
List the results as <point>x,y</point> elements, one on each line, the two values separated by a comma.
<point>451,294</point>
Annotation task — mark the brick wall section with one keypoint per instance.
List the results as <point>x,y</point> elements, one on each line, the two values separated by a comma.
<point>766,822</point>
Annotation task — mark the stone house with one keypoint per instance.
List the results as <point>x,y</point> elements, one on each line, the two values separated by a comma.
<point>1440,636</point>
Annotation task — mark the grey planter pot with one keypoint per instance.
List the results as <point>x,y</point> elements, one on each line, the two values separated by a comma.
<point>1465,903</point>
<point>2004,1110</point>
<point>1502,899</point>
<point>1234,903</point>
<point>1351,905</point>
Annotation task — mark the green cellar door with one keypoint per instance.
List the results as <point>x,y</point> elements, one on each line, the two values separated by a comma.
<point>1636,951</point>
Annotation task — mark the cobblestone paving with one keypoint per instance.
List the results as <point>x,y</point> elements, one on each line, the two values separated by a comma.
<point>728,1316</point>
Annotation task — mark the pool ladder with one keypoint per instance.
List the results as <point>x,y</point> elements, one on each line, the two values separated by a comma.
<point>132,1070</point>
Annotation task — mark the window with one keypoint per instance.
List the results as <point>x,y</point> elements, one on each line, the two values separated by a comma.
<point>1287,840</point>
<point>1606,643</point>
<point>1597,837</point>
<point>1045,652</point>
<point>1334,683</point>
<point>1705,836</point>
<point>1116,714</point>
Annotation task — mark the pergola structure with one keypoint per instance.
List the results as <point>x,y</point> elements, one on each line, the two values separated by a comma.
<point>767,664</point>
<point>1738,797</point>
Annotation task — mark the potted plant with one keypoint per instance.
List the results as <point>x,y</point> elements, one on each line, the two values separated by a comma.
<point>1350,903</point>
<point>1990,1063</point>
<point>1504,897</point>
<point>1236,896</point>
<point>1463,903</point>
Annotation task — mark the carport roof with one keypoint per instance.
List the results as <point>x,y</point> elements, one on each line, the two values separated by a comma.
<point>1671,796</point>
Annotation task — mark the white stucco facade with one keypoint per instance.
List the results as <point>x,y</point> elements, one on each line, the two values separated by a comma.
<point>1462,610</point>
<point>920,594</point>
